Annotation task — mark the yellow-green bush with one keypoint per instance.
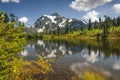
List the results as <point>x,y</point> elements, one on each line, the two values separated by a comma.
<point>89,75</point>
<point>114,31</point>
<point>12,40</point>
<point>31,70</point>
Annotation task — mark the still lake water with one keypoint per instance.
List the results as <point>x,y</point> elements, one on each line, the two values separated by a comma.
<point>77,56</point>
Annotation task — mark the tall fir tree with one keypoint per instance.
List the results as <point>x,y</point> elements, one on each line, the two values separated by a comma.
<point>96,25</point>
<point>58,30</point>
<point>114,22</point>
<point>6,18</point>
<point>118,21</point>
<point>90,25</point>
<point>107,23</point>
<point>67,29</point>
<point>12,17</point>
<point>100,23</point>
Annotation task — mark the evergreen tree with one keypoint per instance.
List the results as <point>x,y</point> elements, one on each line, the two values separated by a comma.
<point>106,27</point>
<point>46,30</point>
<point>114,22</point>
<point>109,21</point>
<point>12,17</point>
<point>58,29</point>
<point>100,23</point>
<point>96,24</point>
<point>67,27</point>
<point>22,26</point>
<point>118,21</point>
<point>90,25</point>
<point>1,16</point>
<point>6,18</point>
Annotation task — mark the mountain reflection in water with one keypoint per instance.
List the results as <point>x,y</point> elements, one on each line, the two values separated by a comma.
<point>103,56</point>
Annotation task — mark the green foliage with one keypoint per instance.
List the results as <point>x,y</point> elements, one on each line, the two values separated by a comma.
<point>92,30</point>
<point>90,25</point>
<point>89,75</point>
<point>31,70</point>
<point>67,30</point>
<point>58,29</point>
<point>6,18</point>
<point>11,42</point>
<point>96,25</point>
<point>34,36</point>
<point>107,23</point>
<point>12,17</point>
<point>114,32</point>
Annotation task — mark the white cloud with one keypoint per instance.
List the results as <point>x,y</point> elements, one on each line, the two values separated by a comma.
<point>23,19</point>
<point>116,65</point>
<point>93,15</point>
<point>16,1</point>
<point>24,53</point>
<point>86,5</point>
<point>6,1</point>
<point>93,57</point>
<point>116,7</point>
<point>40,30</point>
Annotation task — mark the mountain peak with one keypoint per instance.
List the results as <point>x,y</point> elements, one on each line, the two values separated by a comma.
<point>51,22</point>
<point>55,14</point>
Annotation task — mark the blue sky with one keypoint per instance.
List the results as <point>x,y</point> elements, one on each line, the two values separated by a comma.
<point>30,10</point>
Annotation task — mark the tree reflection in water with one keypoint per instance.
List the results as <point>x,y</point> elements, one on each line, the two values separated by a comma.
<point>102,56</point>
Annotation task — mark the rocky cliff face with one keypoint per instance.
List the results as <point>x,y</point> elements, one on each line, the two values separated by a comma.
<point>51,22</point>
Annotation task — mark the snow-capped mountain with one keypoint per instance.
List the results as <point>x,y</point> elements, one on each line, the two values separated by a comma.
<point>52,21</point>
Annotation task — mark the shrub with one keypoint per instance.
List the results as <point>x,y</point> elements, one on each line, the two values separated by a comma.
<point>89,75</point>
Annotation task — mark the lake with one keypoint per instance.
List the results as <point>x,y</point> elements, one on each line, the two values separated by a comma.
<point>77,56</point>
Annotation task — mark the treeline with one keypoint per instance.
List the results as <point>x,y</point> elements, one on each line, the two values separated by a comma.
<point>5,18</point>
<point>58,30</point>
<point>108,26</point>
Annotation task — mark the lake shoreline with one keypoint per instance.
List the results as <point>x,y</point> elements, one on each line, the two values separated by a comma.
<point>62,37</point>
